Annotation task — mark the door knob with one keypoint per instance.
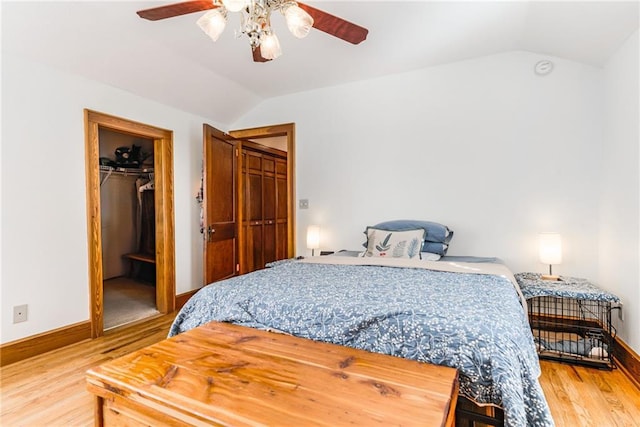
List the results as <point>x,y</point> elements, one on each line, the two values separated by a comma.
<point>210,232</point>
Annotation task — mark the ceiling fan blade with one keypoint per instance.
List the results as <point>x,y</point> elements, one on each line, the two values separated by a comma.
<point>335,26</point>
<point>257,55</point>
<point>176,9</point>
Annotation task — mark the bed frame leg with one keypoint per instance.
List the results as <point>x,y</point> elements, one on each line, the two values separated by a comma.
<point>467,417</point>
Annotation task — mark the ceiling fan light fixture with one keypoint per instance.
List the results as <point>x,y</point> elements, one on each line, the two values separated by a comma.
<point>213,23</point>
<point>270,46</point>
<point>235,5</point>
<point>298,20</point>
<point>255,21</point>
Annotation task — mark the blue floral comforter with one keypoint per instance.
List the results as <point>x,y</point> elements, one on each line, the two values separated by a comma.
<point>473,322</point>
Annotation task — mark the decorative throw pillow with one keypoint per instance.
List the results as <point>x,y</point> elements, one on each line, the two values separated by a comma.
<point>394,244</point>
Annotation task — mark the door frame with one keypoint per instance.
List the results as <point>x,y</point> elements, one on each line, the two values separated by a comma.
<point>164,211</point>
<point>289,131</point>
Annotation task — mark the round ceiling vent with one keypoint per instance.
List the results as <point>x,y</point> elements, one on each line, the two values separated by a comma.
<point>543,67</point>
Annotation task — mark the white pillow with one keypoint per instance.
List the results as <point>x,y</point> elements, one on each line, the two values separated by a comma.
<point>394,244</point>
<point>428,256</point>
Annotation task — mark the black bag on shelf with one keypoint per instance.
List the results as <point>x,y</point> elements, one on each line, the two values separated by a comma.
<point>128,157</point>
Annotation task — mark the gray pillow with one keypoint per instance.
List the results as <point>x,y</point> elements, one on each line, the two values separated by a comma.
<point>435,248</point>
<point>435,232</point>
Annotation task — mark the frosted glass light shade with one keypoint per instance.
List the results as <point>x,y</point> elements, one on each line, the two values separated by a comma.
<point>550,249</point>
<point>313,237</point>
<point>235,5</point>
<point>212,23</point>
<point>270,46</point>
<point>298,20</point>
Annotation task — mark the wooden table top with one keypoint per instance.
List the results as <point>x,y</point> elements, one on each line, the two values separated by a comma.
<point>224,374</point>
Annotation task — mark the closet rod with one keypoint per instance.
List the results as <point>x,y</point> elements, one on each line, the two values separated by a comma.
<point>110,170</point>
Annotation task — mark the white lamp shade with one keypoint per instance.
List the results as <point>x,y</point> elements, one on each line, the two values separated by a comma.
<point>270,46</point>
<point>235,5</point>
<point>299,21</point>
<point>212,23</point>
<point>313,237</point>
<point>550,248</point>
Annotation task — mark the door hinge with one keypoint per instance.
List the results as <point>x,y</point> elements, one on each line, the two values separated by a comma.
<point>236,152</point>
<point>237,268</point>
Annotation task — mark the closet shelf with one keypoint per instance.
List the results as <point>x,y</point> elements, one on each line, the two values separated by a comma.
<point>110,170</point>
<point>125,171</point>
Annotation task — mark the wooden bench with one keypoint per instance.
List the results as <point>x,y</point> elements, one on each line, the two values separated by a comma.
<point>138,257</point>
<point>227,375</point>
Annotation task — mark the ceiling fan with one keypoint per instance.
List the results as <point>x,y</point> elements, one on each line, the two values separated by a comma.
<point>256,21</point>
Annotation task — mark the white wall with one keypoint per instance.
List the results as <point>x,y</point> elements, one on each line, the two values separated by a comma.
<point>484,146</point>
<point>619,253</point>
<point>44,233</point>
<point>488,148</point>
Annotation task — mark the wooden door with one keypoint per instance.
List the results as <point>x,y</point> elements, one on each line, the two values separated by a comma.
<point>220,205</point>
<point>264,224</point>
<point>282,214</point>
<point>285,187</point>
<point>269,207</point>
<point>253,211</point>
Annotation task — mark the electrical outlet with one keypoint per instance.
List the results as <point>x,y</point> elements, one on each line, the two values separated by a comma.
<point>303,204</point>
<point>20,313</point>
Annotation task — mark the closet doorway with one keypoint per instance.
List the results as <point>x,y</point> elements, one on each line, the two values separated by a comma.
<point>268,166</point>
<point>130,220</point>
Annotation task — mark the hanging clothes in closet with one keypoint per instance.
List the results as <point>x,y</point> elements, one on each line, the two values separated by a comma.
<point>145,218</point>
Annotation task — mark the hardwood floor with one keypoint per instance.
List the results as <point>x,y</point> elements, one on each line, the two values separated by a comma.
<point>581,396</point>
<point>50,390</point>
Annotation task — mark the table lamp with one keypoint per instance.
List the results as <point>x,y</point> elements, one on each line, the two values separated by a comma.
<point>313,238</point>
<point>550,251</point>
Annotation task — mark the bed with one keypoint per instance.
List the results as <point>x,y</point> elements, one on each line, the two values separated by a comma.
<point>461,312</point>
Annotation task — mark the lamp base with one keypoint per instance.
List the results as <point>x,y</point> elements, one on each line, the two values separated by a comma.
<point>550,277</point>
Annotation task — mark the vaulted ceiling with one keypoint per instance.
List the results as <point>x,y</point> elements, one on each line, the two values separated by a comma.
<point>173,62</point>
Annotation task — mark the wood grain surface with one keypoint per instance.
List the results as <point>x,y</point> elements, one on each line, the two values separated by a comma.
<point>223,374</point>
